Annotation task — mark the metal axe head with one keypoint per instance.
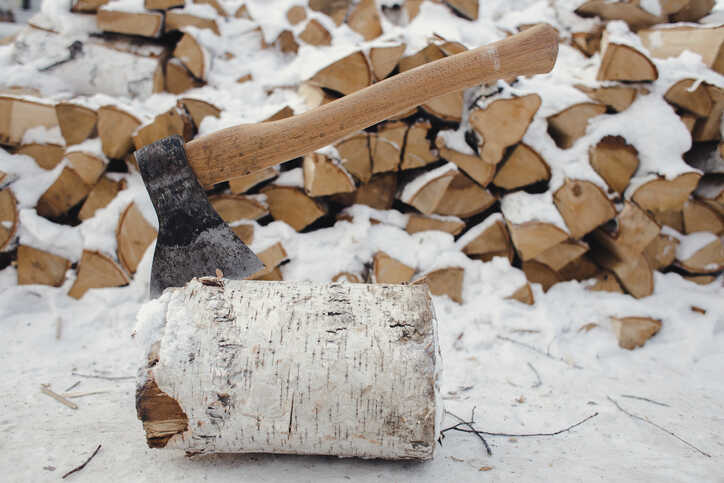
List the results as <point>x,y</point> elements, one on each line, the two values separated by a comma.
<point>193,240</point>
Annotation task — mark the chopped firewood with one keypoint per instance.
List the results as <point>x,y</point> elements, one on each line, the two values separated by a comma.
<point>466,8</point>
<point>534,237</point>
<point>605,282</point>
<point>115,128</point>
<point>445,281</point>
<point>417,223</point>
<point>315,34</point>
<point>314,96</point>
<point>536,272</point>
<point>77,122</point>
<point>569,125</point>
<point>96,270</point>
<point>145,24</point>
<point>663,195</point>
<point>698,216</point>
<point>323,176</point>
<point>17,115</point>
<point>560,255</point>
<point>102,193</point>
<point>68,190</point>
<point>245,232</point>
<point>582,268</point>
<point>89,166</point>
<point>693,11</point>
<point>365,20</point>
<point>426,190</point>
<point>493,241</point>
<point>347,277</point>
<point>709,128</point>
<point>464,198</point>
<point>617,98</point>
<point>87,6</point>
<point>282,113</point>
<point>615,161</point>
<point>502,124</point>
<point>133,236</point>
<point>386,269</point>
<point>40,267</point>
<point>623,63</point>
<point>635,274</point>
<point>661,252</point>
<point>385,59</point>
<point>199,109</point>
<point>696,101</point>
<point>412,9</point>
<point>347,75</point>
<point>428,54</point>
<point>192,55</point>
<point>178,78</point>
<point>673,219</point>
<point>355,154</point>
<point>448,107</point>
<point>178,19</point>
<point>216,5</point>
<point>589,42</point>
<point>274,275</point>
<point>242,184</point>
<point>701,279</point>
<point>172,122</point>
<point>708,258</point>
<point>524,294</point>
<point>271,258</point>
<point>633,332</point>
<point>335,9</point>
<point>378,193</point>
<point>689,119</point>
<point>629,12</point>
<point>523,167</point>
<point>583,206</point>
<point>163,4</point>
<point>386,147</point>
<point>666,43</point>
<point>479,170</point>
<point>292,206</point>
<point>47,156</point>
<point>418,152</point>
<point>296,14</point>
<point>286,42</point>
<point>630,233</point>
<point>235,207</point>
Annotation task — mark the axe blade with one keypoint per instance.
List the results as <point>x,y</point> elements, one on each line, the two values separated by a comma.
<point>193,240</point>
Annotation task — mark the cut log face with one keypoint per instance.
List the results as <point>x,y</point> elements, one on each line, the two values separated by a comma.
<point>242,184</point>
<point>385,59</point>
<point>536,272</point>
<point>18,115</point>
<point>696,101</point>
<point>662,195</point>
<point>480,171</point>
<point>629,12</point>
<point>199,109</point>
<point>356,158</point>
<point>693,11</point>
<point>66,192</point>
<point>589,43</point>
<point>671,42</point>
<point>445,281</point>
<point>88,166</point>
<point>296,14</point>
<point>234,208</point>
<point>417,223</point>
<point>47,156</point>
<point>334,9</point>
<point>282,113</point>
<point>315,34</point>
<point>635,274</point>
<point>448,107</point>
<point>606,282</point>
<point>145,24</point>
<point>428,54</point>
<point>558,256</point>
<point>522,168</point>
<point>582,268</point>
<point>87,6</point>
<point>427,195</point>
<point>115,128</point>
<point>386,147</point>
<point>244,232</point>
<point>569,125</point>
<point>464,198</point>
<point>630,234</point>
<point>709,128</point>
<point>661,252</point>
<point>617,98</point>
<point>174,122</point>
<point>534,237</point>
<point>365,20</point>
<point>323,176</point>
<point>633,332</point>
<point>524,294</point>
<point>466,8</point>
<point>386,269</point>
<point>378,193</point>
<point>40,267</point>
<point>623,63</point>
<point>163,4</point>
<point>8,217</point>
<point>583,206</point>
<point>102,193</point>
<point>133,236</point>
<point>77,123</point>
<point>178,78</point>
<point>345,76</point>
<point>286,42</point>
<point>494,241</point>
<point>192,55</point>
<point>698,216</point>
<point>292,206</point>
<point>708,259</point>
<point>96,270</point>
<point>673,219</point>
<point>615,161</point>
<point>271,258</point>
<point>502,124</point>
<point>418,152</point>
<point>177,20</point>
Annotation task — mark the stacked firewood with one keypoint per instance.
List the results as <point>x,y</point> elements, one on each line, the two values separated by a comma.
<point>482,165</point>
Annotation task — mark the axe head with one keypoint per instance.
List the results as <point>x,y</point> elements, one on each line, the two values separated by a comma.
<point>193,240</point>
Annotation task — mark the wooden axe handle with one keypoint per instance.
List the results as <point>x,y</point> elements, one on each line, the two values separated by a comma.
<point>246,148</point>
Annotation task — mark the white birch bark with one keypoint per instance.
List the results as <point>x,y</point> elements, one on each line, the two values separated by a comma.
<point>298,368</point>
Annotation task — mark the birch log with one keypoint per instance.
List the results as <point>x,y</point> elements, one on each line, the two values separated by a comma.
<point>273,367</point>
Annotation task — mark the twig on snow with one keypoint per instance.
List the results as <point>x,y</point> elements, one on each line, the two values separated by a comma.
<point>539,382</point>
<point>647,420</point>
<point>108,378</point>
<point>84,463</point>
<point>535,349</point>
<point>468,424</point>
<point>73,395</point>
<point>45,388</point>
<point>76,384</point>
<point>630,396</point>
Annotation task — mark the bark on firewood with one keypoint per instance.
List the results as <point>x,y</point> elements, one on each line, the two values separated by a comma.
<point>615,161</point>
<point>115,128</point>
<point>445,281</point>
<point>386,147</point>
<point>671,42</point>
<point>464,198</point>
<point>47,156</point>
<point>102,193</point>
<point>662,195</point>
<point>623,63</point>
<point>386,269</point>
<point>385,59</point>
<point>347,75</point>
<point>522,168</point>
<point>178,78</point>
<point>356,156</point>
<point>8,217</point>
<point>633,332</point>
<point>145,24</point>
<point>524,294</point>
<point>479,170</point>
<point>502,124</point>
<point>192,55</point>
<point>68,190</point>
<point>77,122</point>
<point>534,237</point>
<point>617,98</point>
<point>17,115</point>
<point>292,206</point>
<point>199,109</point>
<point>569,125</point>
<point>235,207</point>
<point>242,184</point>
<point>583,206</point>
<point>312,406</point>
<point>661,252</point>
<point>417,223</point>
<point>133,236</point>
<point>426,195</point>
<point>323,176</point>
<point>96,270</point>
<point>365,20</point>
<point>178,19</point>
<point>492,242</point>
<point>696,101</point>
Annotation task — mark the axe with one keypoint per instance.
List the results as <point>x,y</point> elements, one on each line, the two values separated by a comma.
<point>194,241</point>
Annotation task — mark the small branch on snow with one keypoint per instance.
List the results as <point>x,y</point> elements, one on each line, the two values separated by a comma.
<point>84,463</point>
<point>45,388</point>
<point>73,395</point>
<point>76,384</point>
<point>539,382</point>
<point>645,399</point>
<point>535,349</point>
<point>646,420</point>
<point>107,378</point>
<point>468,424</point>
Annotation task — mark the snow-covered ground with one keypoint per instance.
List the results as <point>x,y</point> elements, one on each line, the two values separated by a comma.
<point>523,369</point>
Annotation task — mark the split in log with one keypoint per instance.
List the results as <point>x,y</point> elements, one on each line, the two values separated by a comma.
<point>233,208</point>
<point>172,122</point>
<point>522,168</point>
<point>472,165</point>
<point>99,197</point>
<point>386,147</point>
<point>40,267</point>
<point>242,184</point>
<point>192,55</point>
<point>633,332</point>
<point>493,241</point>
<point>534,237</point>
<point>524,294</point>
<point>583,206</point>
<point>426,190</point>
<point>323,176</point>
<point>347,75</point>
<point>696,101</point>
<point>296,14</point>
<point>115,128</point>
<point>178,78</point>
<point>615,161</point>
<point>68,190</point>
<point>292,206</point>
<point>629,234</point>
<point>623,63</point>
<point>418,152</point>
<point>629,12</point>
<point>315,34</point>
<point>145,24</point>
<point>417,223</point>
<point>8,217</point>
<point>77,122</point>
<point>89,166</point>
<point>355,154</point>
<point>272,257</point>
<point>465,8</point>
<point>662,195</point>
<point>666,43</point>
<point>707,259</point>
<point>536,272</point>
<point>560,255</point>
<point>445,281</point>
<point>502,124</point>
<point>709,128</point>
<point>365,20</point>
<point>385,59</point>
<point>569,125</point>
<point>605,282</point>
<point>199,109</point>
<point>386,269</point>
<point>178,19</point>
<point>464,198</point>
<point>661,252</point>
<point>96,270</point>
<point>635,274</point>
<point>133,236</point>
<point>17,115</point>
<point>47,156</point>
<point>617,98</point>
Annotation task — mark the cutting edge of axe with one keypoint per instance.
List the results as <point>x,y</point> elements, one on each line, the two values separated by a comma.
<point>194,241</point>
